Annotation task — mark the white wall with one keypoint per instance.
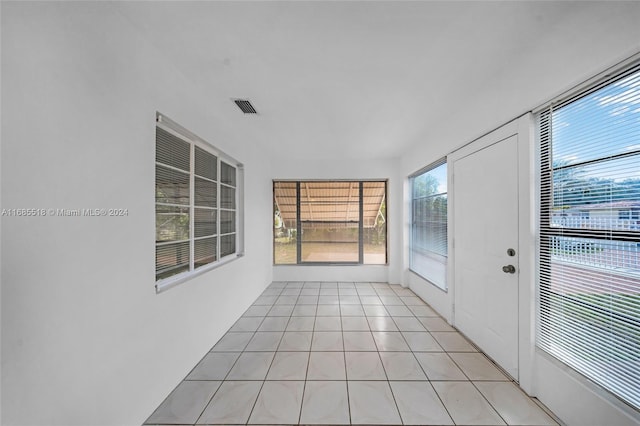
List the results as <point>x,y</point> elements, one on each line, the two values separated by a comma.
<point>85,339</point>
<point>348,169</point>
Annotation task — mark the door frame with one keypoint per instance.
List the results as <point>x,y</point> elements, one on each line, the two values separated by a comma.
<point>522,128</point>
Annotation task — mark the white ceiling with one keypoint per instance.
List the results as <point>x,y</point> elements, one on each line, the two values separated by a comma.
<point>371,79</point>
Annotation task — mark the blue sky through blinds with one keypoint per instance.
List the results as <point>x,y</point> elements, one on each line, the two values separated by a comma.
<point>596,146</point>
<point>602,124</point>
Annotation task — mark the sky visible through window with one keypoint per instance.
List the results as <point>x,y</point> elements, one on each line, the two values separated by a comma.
<point>602,124</point>
<point>596,142</point>
<point>431,183</point>
<point>440,174</point>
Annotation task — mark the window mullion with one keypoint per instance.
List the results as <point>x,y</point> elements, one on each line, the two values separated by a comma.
<point>298,226</point>
<point>192,201</point>
<point>360,223</point>
<point>217,207</point>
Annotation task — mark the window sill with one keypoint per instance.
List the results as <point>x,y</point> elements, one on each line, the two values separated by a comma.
<point>428,281</point>
<point>330,264</point>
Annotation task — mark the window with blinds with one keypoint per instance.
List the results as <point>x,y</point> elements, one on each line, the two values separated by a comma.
<point>428,244</point>
<point>589,267</point>
<point>196,207</point>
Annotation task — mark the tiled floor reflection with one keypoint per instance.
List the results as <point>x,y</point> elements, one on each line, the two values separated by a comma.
<point>345,353</point>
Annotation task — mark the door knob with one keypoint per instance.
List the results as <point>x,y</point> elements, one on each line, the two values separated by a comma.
<point>509,269</point>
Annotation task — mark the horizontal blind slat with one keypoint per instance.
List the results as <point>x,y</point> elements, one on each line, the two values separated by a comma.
<point>429,242</point>
<point>172,151</point>
<point>589,245</point>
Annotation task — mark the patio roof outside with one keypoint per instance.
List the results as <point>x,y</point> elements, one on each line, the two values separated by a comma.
<point>330,202</point>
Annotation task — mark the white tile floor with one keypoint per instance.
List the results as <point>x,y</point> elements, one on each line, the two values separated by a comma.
<point>345,353</point>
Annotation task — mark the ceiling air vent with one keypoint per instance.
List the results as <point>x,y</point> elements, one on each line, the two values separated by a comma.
<point>245,106</point>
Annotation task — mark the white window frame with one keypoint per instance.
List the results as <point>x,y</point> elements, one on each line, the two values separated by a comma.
<point>299,242</point>
<point>177,130</point>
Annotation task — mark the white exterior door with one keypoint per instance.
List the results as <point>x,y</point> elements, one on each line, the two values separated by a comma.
<point>485,216</point>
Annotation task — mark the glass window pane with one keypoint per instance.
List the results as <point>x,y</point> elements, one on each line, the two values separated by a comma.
<point>204,222</point>
<point>430,224</point>
<point>206,164</point>
<point>227,197</point>
<point>431,182</point>
<point>172,223</point>
<point>329,201</point>
<point>374,238</point>
<point>227,174</point>
<point>330,220</point>
<point>205,192</point>
<point>172,151</point>
<point>329,232</point>
<point>333,252</point>
<point>227,245</point>
<point>172,186</point>
<point>227,221</point>
<point>284,223</point>
<point>599,195</point>
<point>204,251</point>
<point>598,125</point>
<point>171,259</point>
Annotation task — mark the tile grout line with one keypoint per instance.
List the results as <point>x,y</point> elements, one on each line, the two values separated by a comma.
<point>390,388</point>
<point>270,364</point>
<point>344,357</point>
<point>413,315</point>
<point>465,374</point>
<point>234,363</point>
<point>267,372</point>
<point>489,402</point>
<point>429,381</point>
<point>440,398</point>
<point>306,374</point>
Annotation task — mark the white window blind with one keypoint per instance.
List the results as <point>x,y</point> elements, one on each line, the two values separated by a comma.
<point>428,245</point>
<point>589,270</point>
<point>196,203</point>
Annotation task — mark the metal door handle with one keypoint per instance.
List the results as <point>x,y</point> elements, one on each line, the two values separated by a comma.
<point>509,269</point>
